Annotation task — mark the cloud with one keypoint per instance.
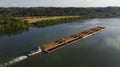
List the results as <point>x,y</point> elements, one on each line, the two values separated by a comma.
<point>59,3</point>
<point>89,0</point>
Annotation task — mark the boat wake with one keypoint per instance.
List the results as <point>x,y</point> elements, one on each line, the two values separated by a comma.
<point>20,58</point>
<point>15,60</point>
<point>35,51</point>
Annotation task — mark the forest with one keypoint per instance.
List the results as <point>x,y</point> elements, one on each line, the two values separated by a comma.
<point>9,23</point>
<point>60,11</point>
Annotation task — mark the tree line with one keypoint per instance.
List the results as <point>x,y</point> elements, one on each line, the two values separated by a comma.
<point>59,11</point>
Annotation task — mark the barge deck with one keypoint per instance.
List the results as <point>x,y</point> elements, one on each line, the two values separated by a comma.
<point>55,45</point>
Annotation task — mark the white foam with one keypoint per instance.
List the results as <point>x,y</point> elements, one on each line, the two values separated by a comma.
<point>34,52</point>
<point>20,58</point>
<point>15,60</point>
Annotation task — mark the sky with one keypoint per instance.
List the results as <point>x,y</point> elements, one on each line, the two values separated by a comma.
<point>59,3</point>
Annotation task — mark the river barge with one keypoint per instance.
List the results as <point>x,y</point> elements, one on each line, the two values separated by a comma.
<point>55,45</point>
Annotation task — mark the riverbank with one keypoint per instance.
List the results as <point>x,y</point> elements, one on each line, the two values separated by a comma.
<point>45,18</point>
<point>47,21</point>
<point>9,25</point>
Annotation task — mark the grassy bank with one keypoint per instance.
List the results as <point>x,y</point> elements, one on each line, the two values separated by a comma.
<point>36,19</point>
<point>11,25</point>
<point>46,21</point>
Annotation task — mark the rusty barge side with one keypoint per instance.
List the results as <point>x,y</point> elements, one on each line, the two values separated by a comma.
<point>52,46</point>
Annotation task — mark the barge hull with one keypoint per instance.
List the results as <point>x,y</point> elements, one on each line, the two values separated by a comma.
<point>55,45</point>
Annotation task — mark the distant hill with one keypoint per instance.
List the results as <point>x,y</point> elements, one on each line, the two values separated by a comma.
<point>59,11</point>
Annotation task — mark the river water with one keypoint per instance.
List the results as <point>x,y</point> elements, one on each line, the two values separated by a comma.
<point>100,50</point>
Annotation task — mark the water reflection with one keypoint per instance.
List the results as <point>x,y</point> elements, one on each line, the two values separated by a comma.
<point>113,42</point>
<point>13,32</point>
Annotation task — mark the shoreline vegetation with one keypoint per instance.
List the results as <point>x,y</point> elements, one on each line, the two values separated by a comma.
<point>12,26</point>
<point>47,21</point>
<point>15,20</point>
<point>45,18</point>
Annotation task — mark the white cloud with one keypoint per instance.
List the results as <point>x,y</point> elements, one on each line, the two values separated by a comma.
<point>60,3</point>
<point>89,0</point>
